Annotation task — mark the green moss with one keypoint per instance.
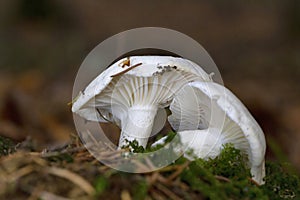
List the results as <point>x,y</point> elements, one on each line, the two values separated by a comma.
<point>230,163</point>
<point>140,190</point>
<point>61,157</point>
<point>280,184</point>
<point>100,184</point>
<point>224,177</point>
<point>228,177</point>
<point>7,146</point>
<point>133,146</point>
<point>136,148</point>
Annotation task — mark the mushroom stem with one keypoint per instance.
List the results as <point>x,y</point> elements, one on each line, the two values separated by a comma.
<point>138,125</point>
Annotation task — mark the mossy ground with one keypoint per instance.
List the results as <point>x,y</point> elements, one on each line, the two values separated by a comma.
<point>71,172</point>
<point>6,146</point>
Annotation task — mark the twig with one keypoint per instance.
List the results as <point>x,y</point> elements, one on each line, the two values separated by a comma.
<point>57,153</point>
<point>21,172</point>
<point>168,168</point>
<point>92,137</point>
<point>141,166</point>
<point>222,178</point>
<point>34,153</point>
<point>76,179</point>
<point>167,192</point>
<point>103,167</point>
<point>152,179</point>
<point>254,182</point>
<point>125,195</point>
<point>84,156</point>
<point>40,161</point>
<point>182,185</point>
<point>50,196</point>
<point>178,171</point>
<point>156,195</point>
<point>126,70</point>
<point>162,179</point>
<point>149,163</point>
<point>99,112</point>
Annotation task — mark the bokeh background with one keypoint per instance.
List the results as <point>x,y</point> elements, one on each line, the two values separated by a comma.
<point>255,44</point>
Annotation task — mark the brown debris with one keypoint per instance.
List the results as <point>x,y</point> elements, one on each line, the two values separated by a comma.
<point>72,177</point>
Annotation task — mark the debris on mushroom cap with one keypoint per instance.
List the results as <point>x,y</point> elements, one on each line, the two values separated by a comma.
<point>125,62</point>
<point>237,127</point>
<point>130,96</point>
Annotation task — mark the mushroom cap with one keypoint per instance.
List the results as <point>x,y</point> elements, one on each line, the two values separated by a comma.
<point>237,126</point>
<point>206,143</point>
<point>150,65</point>
<point>131,74</point>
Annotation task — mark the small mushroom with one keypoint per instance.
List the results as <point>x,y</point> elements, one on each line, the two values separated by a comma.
<point>212,116</point>
<point>134,96</point>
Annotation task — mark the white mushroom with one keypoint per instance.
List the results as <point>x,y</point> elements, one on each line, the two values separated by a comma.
<point>212,116</point>
<point>134,90</point>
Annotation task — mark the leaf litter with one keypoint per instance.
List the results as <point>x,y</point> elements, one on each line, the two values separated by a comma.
<point>71,172</point>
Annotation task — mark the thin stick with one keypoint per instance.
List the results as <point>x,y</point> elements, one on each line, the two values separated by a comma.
<point>76,179</point>
<point>163,180</point>
<point>99,112</point>
<point>57,153</point>
<point>167,192</point>
<point>156,195</point>
<point>178,171</point>
<point>126,70</point>
<point>20,173</point>
<point>141,165</point>
<point>152,179</point>
<point>149,163</point>
<point>50,196</point>
<point>254,182</point>
<point>222,178</point>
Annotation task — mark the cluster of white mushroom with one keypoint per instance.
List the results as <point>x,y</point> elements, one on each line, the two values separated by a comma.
<point>134,91</point>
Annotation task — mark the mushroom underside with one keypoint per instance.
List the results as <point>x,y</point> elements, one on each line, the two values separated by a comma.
<point>132,102</point>
<point>228,122</point>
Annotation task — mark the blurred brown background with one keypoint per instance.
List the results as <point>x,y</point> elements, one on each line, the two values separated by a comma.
<point>255,44</point>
